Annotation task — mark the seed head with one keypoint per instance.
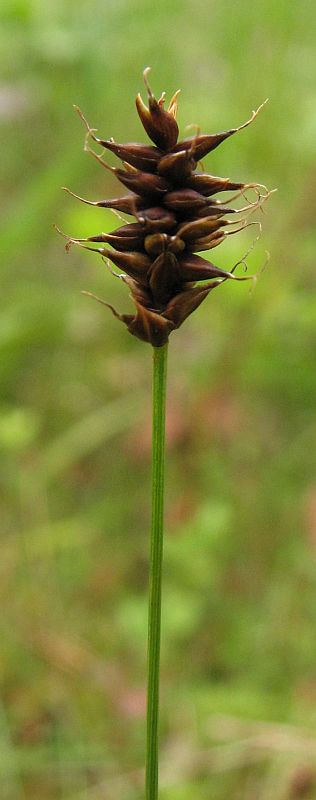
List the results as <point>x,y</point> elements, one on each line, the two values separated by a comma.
<point>177,215</point>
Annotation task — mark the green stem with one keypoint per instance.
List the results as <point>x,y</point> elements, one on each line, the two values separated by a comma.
<point>156,550</point>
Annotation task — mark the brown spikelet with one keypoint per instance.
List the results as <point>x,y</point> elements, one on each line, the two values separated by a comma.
<point>177,215</point>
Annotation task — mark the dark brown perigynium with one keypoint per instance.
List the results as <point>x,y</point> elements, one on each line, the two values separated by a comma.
<point>176,215</point>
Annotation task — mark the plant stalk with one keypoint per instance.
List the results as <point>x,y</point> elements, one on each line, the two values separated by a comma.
<point>160,355</point>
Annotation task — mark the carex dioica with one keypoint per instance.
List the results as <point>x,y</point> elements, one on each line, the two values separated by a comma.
<point>177,216</point>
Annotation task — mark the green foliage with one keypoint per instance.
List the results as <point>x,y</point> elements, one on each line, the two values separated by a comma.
<point>239,603</point>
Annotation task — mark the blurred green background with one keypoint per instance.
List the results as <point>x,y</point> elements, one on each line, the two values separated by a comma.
<point>238,700</point>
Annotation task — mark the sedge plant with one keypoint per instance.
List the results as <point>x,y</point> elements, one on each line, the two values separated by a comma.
<point>177,214</point>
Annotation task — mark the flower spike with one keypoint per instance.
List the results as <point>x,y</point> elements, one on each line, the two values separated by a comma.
<point>177,215</point>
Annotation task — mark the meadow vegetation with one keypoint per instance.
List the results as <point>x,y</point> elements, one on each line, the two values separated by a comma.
<point>238,698</point>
